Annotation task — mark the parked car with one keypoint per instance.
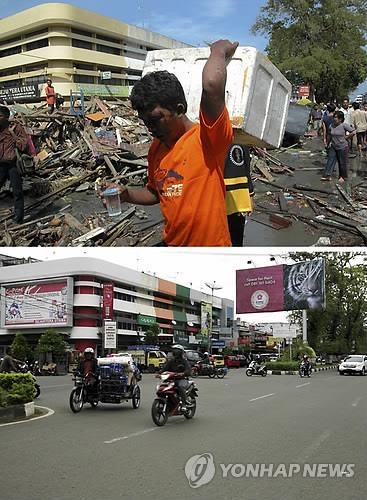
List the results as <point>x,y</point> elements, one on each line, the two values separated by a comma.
<point>232,361</point>
<point>355,363</point>
<point>218,360</point>
<point>192,356</point>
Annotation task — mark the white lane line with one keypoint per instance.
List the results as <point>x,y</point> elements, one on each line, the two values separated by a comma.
<point>313,447</point>
<point>48,414</point>
<point>128,436</point>
<point>356,402</point>
<point>262,397</point>
<point>302,385</point>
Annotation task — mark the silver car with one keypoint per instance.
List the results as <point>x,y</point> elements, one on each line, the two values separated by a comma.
<point>355,363</point>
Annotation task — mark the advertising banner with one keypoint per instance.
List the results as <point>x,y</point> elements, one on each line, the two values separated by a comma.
<point>206,314</point>
<point>110,335</point>
<point>281,287</point>
<point>20,93</point>
<point>37,304</point>
<point>107,304</point>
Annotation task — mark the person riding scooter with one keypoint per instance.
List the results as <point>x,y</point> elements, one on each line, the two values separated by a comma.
<point>88,367</point>
<point>307,364</point>
<point>179,364</point>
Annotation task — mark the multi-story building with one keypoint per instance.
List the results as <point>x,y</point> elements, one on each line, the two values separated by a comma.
<point>76,296</point>
<point>79,50</point>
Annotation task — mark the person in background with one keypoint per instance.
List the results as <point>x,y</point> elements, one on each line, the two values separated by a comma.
<point>316,119</point>
<point>12,136</point>
<point>359,122</point>
<point>239,191</point>
<point>50,96</point>
<point>186,159</point>
<point>179,365</point>
<point>8,363</point>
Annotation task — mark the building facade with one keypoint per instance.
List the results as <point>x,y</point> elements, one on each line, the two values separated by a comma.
<point>76,296</point>
<point>79,50</point>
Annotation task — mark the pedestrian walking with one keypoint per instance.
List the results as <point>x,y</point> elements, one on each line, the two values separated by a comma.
<point>359,122</point>
<point>340,135</point>
<point>12,137</point>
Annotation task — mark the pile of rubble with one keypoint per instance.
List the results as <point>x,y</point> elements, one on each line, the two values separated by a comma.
<point>109,144</point>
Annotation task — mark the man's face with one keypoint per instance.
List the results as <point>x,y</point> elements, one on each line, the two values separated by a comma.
<point>163,124</point>
<point>345,104</point>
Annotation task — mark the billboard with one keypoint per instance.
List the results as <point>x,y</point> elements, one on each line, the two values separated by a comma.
<point>281,287</point>
<point>107,304</point>
<point>37,304</point>
<point>206,314</point>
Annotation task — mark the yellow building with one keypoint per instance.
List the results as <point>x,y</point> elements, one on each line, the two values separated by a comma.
<point>79,50</point>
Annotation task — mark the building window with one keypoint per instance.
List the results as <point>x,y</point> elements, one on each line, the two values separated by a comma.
<point>81,44</point>
<point>10,40</point>
<point>34,80</point>
<point>108,50</point>
<point>12,71</point>
<point>108,39</point>
<point>86,67</point>
<point>10,52</point>
<point>11,83</point>
<point>83,79</point>
<point>37,44</point>
<point>81,32</point>
<point>36,33</point>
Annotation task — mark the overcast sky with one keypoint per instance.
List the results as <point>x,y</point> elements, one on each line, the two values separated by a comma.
<point>189,267</point>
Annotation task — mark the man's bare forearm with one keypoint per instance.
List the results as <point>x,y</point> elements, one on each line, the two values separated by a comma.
<point>140,196</point>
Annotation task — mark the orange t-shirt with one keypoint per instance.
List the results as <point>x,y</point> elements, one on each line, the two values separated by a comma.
<point>188,179</point>
<point>50,95</point>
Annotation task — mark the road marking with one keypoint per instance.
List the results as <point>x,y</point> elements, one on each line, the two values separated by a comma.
<point>54,386</point>
<point>356,402</point>
<point>262,397</point>
<point>302,385</point>
<point>128,436</point>
<point>48,414</point>
<point>312,448</point>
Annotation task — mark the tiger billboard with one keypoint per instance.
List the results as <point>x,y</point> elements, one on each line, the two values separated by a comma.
<point>282,287</point>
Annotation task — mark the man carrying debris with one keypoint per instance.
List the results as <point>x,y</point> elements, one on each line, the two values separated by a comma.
<point>186,159</point>
<point>12,136</point>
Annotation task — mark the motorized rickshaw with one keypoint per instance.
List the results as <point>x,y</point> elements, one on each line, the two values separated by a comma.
<point>116,381</point>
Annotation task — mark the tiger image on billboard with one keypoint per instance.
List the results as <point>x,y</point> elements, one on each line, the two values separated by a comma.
<point>304,285</point>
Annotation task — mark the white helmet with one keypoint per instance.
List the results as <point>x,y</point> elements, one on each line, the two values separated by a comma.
<point>89,350</point>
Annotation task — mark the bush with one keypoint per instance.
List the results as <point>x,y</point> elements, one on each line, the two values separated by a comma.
<point>16,388</point>
<point>283,365</point>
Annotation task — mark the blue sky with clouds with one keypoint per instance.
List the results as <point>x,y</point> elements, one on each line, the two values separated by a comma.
<point>191,21</point>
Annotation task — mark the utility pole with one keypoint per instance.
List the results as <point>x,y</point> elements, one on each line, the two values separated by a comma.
<point>213,286</point>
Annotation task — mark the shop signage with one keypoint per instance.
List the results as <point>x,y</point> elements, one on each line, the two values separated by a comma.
<point>20,93</point>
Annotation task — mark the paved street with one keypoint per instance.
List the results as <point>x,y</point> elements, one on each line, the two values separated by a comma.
<point>116,452</point>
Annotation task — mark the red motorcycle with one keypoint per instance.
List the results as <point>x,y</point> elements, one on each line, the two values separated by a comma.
<point>168,403</point>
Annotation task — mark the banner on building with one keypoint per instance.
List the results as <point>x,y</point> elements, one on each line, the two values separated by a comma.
<point>206,315</point>
<point>20,93</point>
<point>37,304</point>
<point>110,335</point>
<point>281,287</point>
<point>107,302</point>
<point>142,320</point>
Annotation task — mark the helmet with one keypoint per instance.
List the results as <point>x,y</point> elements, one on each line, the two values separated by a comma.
<point>305,356</point>
<point>206,353</point>
<point>178,351</point>
<point>89,350</point>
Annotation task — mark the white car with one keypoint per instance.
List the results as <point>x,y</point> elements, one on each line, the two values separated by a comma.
<point>355,363</point>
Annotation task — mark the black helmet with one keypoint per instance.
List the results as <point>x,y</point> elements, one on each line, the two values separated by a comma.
<point>178,351</point>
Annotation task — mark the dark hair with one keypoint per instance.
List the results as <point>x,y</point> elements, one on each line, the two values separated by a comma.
<point>158,88</point>
<point>340,115</point>
<point>331,108</point>
<point>356,105</point>
<point>4,111</point>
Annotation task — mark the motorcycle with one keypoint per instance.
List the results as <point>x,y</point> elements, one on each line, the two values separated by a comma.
<point>168,403</point>
<point>82,393</point>
<point>255,369</point>
<point>305,369</point>
<point>211,370</point>
<point>24,368</point>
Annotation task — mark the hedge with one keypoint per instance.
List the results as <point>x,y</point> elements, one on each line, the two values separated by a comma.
<point>288,366</point>
<point>16,388</point>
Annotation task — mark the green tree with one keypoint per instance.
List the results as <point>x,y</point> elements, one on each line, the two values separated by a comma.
<point>51,341</point>
<point>342,326</point>
<point>317,42</point>
<point>151,335</point>
<point>19,347</point>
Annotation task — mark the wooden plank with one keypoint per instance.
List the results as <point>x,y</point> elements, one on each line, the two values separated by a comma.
<point>262,167</point>
<point>281,221</point>
<point>282,202</point>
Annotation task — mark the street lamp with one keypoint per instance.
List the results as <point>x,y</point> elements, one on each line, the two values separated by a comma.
<point>213,286</point>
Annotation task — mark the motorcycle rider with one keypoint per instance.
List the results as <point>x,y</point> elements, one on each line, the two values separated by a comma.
<point>88,367</point>
<point>8,363</point>
<point>307,363</point>
<point>179,364</point>
<point>258,362</point>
